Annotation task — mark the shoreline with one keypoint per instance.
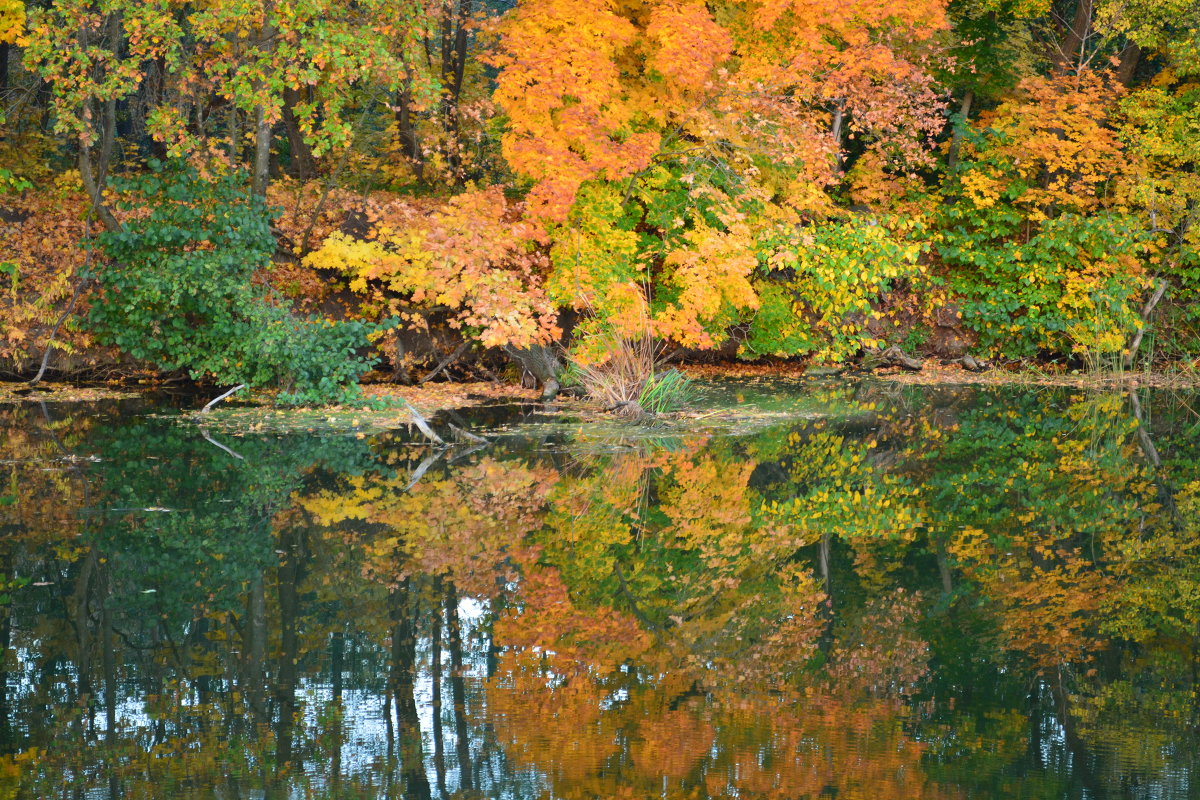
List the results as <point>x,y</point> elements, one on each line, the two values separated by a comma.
<point>449,395</point>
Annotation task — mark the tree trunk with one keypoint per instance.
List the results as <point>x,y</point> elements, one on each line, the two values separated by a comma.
<point>264,128</point>
<point>1136,342</point>
<point>406,131</point>
<point>94,188</point>
<point>454,58</point>
<point>235,135</point>
<point>262,152</point>
<point>304,165</point>
<point>1127,66</point>
<point>964,112</point>
<point>839,119</point>
<point>1070,54</point>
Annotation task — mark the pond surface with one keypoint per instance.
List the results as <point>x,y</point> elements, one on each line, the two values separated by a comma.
<point>864,591</point>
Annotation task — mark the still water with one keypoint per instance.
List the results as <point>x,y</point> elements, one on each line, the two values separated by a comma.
<point>843,591</point>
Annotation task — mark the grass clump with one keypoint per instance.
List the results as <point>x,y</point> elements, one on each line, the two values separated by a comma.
<point>666,391</point>
<point>627,375</point>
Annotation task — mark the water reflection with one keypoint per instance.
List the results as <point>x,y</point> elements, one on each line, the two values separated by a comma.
<point>928,593</point>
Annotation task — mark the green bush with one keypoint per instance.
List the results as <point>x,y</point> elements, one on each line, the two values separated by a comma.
<point>177,291</point>
<point>1067,285</point>
<point>817,285</point>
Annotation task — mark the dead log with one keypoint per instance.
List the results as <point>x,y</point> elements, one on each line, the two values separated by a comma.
<point>890,357</point>
<point>972,364</point>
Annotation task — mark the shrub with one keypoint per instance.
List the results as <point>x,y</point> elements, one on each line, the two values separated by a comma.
<point>818,284</point>
<point>1068,285</point>
<point>178,292</point>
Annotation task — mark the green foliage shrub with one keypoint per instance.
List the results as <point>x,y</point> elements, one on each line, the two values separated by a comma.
<point>1065,285</point>
<point>1039,270</point>
<point>817,285</point>
<point>178,292</point>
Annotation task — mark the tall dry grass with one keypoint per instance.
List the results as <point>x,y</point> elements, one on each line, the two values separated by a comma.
<point>628,375</point>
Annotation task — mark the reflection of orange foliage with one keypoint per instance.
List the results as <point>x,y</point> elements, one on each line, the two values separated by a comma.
<point>881,655</point>
<point>464,527</point>
<point>576,727</point>
<point>549,621</point>
<point>49,492</point>
<point>819,746</point>
<point>672,742</point>
<point>708,506</point>
<point>554,723</point>
<point>1048,591</point>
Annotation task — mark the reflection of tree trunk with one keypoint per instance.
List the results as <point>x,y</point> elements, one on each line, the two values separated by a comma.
<point>83,635</point>
<point>402,682</point>
<point>943,562</point>
<point>458,690</point>
<point>255,631</point>
<point>337,648</point>
<point>108,664</point>
<point>1166,495</point>
<point>1196,680</point>
<point>824,554</point>
<point>6,743</point>
<point>290,575</point>
<point>435,671</point>
<point>1034,749</point>
<point>1081,759</point>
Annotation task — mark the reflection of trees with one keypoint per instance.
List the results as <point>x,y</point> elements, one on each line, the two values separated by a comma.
<point>926,596</point>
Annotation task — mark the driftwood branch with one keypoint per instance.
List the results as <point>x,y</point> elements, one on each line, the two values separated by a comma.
<point>1136,341</point>
<point>208,407</point>
<point>423,426</point>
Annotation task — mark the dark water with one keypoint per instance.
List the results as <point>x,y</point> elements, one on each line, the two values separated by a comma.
<point>863,592</point>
